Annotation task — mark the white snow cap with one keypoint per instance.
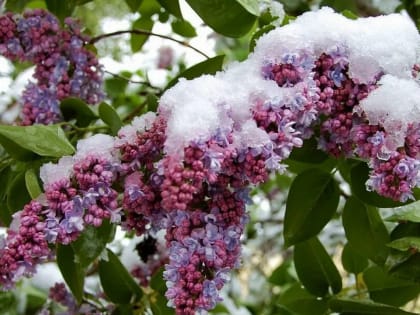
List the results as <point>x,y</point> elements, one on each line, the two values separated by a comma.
<point>198,109</point>
<point>128,134</point>
<point>99,144</point>
<point>394,104</point>
<point>376,44</point>
<point>51,173</point>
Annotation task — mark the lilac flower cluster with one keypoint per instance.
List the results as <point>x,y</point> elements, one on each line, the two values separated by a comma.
<point>63,66</point>
<point>78,192</point>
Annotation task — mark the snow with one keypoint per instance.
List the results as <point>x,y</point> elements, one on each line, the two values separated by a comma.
<point>128,133</point>
<point>197,109</point>
<point>51,173</point>
<point>99,145</point>
<point>394,104</point>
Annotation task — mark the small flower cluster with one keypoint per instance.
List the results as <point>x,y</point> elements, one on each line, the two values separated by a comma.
<point>78,192</point>
<point>63,66</point>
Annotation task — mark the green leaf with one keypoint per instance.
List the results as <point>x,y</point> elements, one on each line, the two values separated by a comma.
<point>159,305</point>
<point>134,5</point>
<point>281,275</point>
<point>410,212</point>
<point>92,242</point>
<point>257,35</point>
<point>300,301</point>
<point>364,307</point>
<point>172,6</point>
<point>306,216</point>
<point>60,8</point>
<point>405,244</point>
<point>152,102</point>
<point>308,153</point>
<point>115,86</point>
<point>209,66</point>
<point>315,268</point>
<point>339,5</point>
<point>157,282</point>
<point>32,183</point>
<point>137,41</point>
<point>227,17</point>
<point>352,261</point>
<point>251,6</point>
<point>388,289</point>
<point>109,116</point>
<point>123,309</point>
<point>75,108</point>
<point>365,230</point>
<point>350,14</point>
<point>17,195</point>
<point>16,5</point>
<point>183,28</point>
<point>33,138</point>
<point>117,283</point>
<point>72,271</point>
<point>149,8</point>
<point>359,175</point>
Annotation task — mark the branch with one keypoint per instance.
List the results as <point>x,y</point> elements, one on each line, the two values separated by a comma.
<point>145,32</point>
<point>147,83</point>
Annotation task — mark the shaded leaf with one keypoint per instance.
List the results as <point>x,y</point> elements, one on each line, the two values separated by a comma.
<point>300,301</point>
<point>364,307</point>
<point>172,6</point>
<point>75,108</point>
<point>160,307</point>
<point>72,271</point>
<point>209,66</point>
<point>109,116</point>
<point>117,283</point>
<point>305,217</point>
<point>136,40</point>
<point>352,261</point>
<point>315,268</point>
<point>183,28</point>
<point>60,8</point>
<point>365,230</point>
<point>281,275</point>
<point>33,138</point>
<point>388,289</point>
<point>226,17</point>
<point>308,153</point>
<point>17,194</point>
<point>92,242</point>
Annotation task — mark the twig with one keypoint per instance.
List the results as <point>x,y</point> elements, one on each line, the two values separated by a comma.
<point>147,83</point>
<point>145,32</point>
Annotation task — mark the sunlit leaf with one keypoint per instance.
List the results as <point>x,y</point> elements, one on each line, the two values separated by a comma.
<point>136,40</point>
<point>32,138</point>
<point>109,116</point>
<point>226,17</point>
